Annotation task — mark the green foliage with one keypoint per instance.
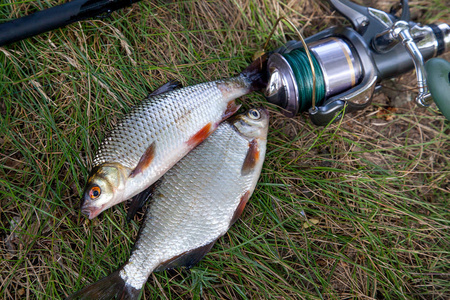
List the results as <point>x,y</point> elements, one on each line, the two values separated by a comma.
<point>356,210</point>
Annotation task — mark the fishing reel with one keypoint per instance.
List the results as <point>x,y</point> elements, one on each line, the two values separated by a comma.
<point>349,63</point>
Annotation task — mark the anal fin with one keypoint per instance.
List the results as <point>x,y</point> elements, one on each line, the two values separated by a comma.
<point>187,259</point>
<point>145,160</point>
<point>232,108</point>
<point>240,207</point>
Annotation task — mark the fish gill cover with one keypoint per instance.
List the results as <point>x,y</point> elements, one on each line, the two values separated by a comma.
<point>358,209</point>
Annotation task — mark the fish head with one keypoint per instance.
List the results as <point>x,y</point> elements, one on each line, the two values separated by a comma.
<point>104,189</point>
<point>252,124</point>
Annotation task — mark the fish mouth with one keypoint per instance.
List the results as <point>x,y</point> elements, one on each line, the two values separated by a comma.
<point>91,211</point>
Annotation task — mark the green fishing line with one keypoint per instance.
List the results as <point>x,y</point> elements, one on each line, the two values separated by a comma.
<point>299,62</point>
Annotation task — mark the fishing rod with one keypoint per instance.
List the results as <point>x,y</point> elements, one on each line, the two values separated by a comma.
<point>339,69</point>
<point>328,74</point>
<point>57,17</point>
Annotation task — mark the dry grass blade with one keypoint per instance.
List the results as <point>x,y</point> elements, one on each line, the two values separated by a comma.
<point>356,210</point>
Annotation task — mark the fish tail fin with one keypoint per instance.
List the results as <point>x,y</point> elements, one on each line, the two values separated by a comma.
<point>256,73</point>
<point>110,287</point>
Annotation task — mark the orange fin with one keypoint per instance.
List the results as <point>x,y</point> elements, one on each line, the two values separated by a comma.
<point>241,206</point>
<point>145,160</point>
<point>251,159</point>
<point>187,259</point>
<point>232,108</point>
<point>201,135</point>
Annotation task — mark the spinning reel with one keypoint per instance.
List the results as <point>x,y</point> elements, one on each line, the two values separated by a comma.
<point>349,63</point>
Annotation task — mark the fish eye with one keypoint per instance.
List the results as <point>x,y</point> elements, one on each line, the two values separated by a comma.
<point>254,114</point>
<point>95,192</point>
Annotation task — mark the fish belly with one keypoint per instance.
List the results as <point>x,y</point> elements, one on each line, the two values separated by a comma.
<point>170,124</point>
<point>194,203</point>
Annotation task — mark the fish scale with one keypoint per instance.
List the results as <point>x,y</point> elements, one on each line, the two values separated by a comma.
<point>138,127</point>
<point>157,133</point>
<point>194,203</point>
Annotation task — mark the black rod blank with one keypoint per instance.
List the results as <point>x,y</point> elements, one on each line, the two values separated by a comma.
<point>56,17</point>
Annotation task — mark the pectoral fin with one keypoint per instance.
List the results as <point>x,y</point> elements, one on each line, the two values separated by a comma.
<point>251,159</point>
<point>145,161</point>
<point>187,259</point>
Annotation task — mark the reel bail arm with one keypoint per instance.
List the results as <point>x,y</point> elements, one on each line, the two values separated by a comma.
<point>353,61</point>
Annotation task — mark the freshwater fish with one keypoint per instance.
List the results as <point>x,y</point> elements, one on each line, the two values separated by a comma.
<point>158,132</point>
<point>193,205</point>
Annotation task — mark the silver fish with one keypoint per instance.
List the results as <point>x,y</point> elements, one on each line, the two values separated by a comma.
<point>193,205</point>
<point>159,132</point>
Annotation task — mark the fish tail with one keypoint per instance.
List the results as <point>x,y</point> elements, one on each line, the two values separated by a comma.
<point>256,73</point>
<point>110,287</point>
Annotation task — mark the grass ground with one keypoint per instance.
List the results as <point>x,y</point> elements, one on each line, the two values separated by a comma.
<point>355,210</point>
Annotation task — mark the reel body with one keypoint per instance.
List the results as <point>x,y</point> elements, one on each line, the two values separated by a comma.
<point>350,62</point>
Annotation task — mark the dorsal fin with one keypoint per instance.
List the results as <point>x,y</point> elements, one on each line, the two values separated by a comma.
<point>240,207</point>
<point>251,159</point>
<point>145,160</point>
<point>138,201</point>
<point>167,87</point>
<point>187,259</point>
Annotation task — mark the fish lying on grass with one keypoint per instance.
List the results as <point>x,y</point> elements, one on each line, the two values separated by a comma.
<point>159,132</point>
<point>193,205</point>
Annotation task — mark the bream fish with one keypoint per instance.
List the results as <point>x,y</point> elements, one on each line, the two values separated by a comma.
<point>193,205</point>
<point>158,132</point>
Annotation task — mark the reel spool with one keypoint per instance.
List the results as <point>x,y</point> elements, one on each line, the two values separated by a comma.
<point>350,62</point>
<point>337,68</point>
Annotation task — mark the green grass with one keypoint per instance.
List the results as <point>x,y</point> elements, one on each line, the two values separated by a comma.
<point>355,210</point>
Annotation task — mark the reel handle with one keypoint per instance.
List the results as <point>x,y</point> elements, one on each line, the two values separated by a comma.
<point>401,31</point>
<point>353,62</point>
<point>438,77</point>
